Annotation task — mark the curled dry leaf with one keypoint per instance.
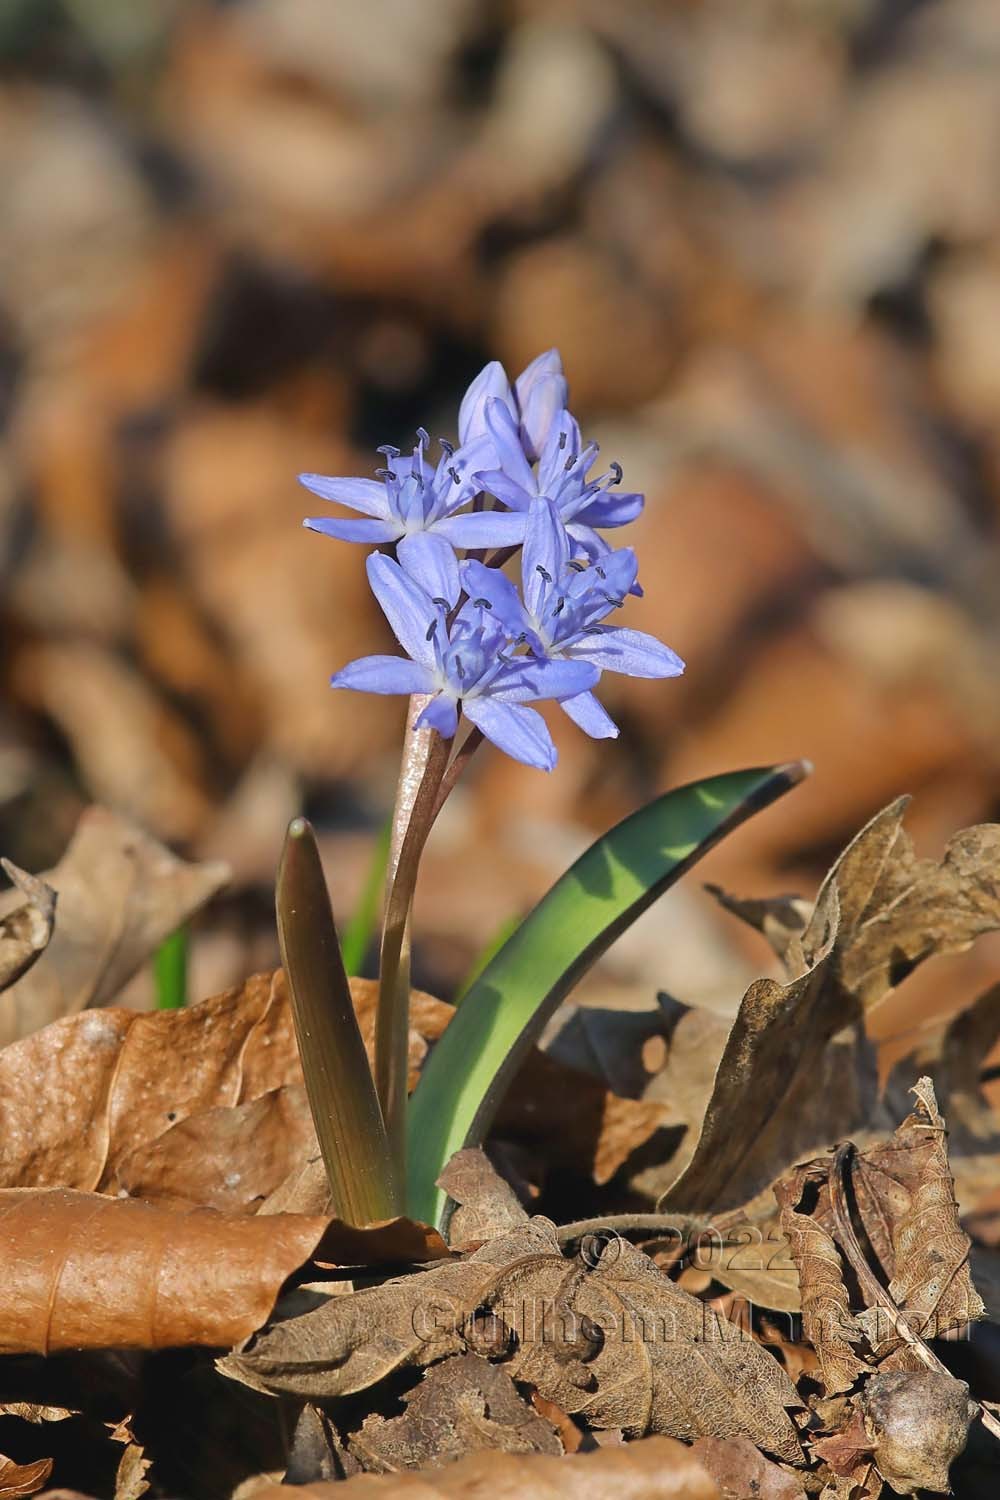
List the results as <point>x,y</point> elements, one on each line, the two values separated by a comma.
<point>614,1341</point>
<point>906,1200</point>
<point>827,1321</point>
<point>120,893</point>
<point>25,931</point>
<point>903,1198</point>
<point>22,1479</point>
<point>83,1271</point>
<point>655,1469</point>
<point>462,1405</point>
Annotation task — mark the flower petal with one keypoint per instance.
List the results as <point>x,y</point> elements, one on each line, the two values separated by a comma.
<point>530,679</point>
<point>490,384</point>
<point>409,610</point>
<point>373,532</point>
<point>545,556</point>
<point>540,404</point>
<point>480,582</point>
<point>590,716</point>
<point>630,651</point>
<point>506,435</point>
<point>518,732</point>
<point>429,559</point>
<point>441,713</point>
<point>483,528</point>
<point>610,509</point>
<point>384,674</point>
<point>366,495</point>
<point>498,484</point>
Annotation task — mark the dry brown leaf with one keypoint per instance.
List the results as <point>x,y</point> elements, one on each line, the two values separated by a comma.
<point>231,1158</point>
<point>25,932</point>
<point>89,1089</point>
<point>120,893</point>
<point>22,1479</point>
<point>827,1321</point>
<point>462,1405</point>
<point>903,1197</point>
<point>796,1071</point>
<point>205,1105</point>
<point>486,1205</point>
<point>906,1200</point>
<point>81,1270</point>
<point>615,1342</point>
<point>655,1469</point>
<point>741,1470</point>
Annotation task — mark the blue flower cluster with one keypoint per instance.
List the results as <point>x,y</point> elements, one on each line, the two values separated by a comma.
<point>475,644</point>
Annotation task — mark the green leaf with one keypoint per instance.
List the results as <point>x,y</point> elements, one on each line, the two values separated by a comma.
<point>503,1012</point>
<point>503,934</point>
<point>170,971</point>
<point>341,1090</point>
<point>359,934</point>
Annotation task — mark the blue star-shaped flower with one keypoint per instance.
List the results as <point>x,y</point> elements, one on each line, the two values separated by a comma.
<point>411,498</point>
<point>559,617</point>
<point>466,665</point>
<point>585,505</point>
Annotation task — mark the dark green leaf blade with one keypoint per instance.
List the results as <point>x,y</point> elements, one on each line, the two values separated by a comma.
<point>339,1083</point>
<point>608,887</point>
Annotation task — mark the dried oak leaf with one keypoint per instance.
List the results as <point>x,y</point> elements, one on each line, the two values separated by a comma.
<point>462,1405</point>
<point>25,932</point>
<point>617,1342</point>
<point>120,893</point>
<point>654,1469</point>
<point>22,1479</point>
<point>83,1271</point>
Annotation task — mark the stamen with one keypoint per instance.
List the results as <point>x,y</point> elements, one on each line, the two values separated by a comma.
<point>430,630</point>
<point>388,450</point>
<point>482,604</point>
<point>446,447</point>
<point>560,606</point>
<point>612,600</point>
<point>563,438</point>
<point>600,572</point>
<point>455,475</point>
<point>617,471</point>
<point>385,474</point>
<point>569,463</point>
<point>544,572</point>
<point>423,436</point>
<point>577,566</point>
<point>443,602</point>
<point>460,668</point>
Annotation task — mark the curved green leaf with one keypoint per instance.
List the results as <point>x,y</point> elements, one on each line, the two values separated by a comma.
<point>500,1016</point>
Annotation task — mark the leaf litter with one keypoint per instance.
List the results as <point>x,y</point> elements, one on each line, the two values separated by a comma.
<point>183,1156</point>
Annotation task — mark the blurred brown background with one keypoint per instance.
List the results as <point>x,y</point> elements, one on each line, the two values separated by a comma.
<point>245,239</point>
